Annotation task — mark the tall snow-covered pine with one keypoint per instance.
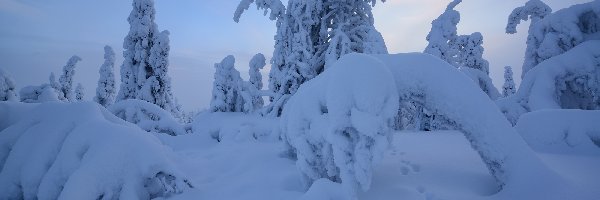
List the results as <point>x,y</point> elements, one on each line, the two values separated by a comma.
<point>509,87</point>
<point>66,78</point>
<point>7,87</point>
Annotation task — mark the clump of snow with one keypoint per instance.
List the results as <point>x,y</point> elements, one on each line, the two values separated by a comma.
<point>235,127</point>
<point>562,131</point>
<point>148,116</point>
<point>338,124</point>
<point>569,81</point>
<point>83,153</point>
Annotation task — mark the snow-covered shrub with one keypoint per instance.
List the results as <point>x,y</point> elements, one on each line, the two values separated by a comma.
<point>66,79</point>
<point>310,35</point>
<point>562,131</point>
<point>147,116</point>
<point>56,86</point>
<point>445,91</point>
<point>483,81</point>
<point>568,81</point>
<point>226,93</point>
<point>339,123</point>
<point>86,153</point>
<point>509,87</point>
<point>106,90</point>
<point>7,87</point>
<point>558,32</point>
<point>38,94</point>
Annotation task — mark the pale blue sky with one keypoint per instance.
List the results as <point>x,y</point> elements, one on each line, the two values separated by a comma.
<point>37,37</point>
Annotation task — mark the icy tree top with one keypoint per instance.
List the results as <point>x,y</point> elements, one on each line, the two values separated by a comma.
<point>533,9</point>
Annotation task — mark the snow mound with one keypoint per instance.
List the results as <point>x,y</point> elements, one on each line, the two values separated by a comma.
<point>568,81</point>
<point>338,124</point>
<point>81,151</point>
<point>562,131</point>
<point>235,127</point>
<point>148,116</point>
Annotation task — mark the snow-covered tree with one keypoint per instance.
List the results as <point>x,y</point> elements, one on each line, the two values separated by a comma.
<point>256,64</point>
<point>443,35</point>
<point>66,78</point>
<point>157,88</point>
<point>106,90</point>
<point>471,52</point>
<point>312,34</point>
<point>137,44</point>
<point>79,93</point>
<point>509,84</point>
<point>534,10</point>
<point>226,95</point>
<point>7,87</point>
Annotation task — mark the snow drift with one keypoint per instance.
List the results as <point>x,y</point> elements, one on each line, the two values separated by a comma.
<point>562,131</point>
<point>148,116</point>
<point>81,151</point>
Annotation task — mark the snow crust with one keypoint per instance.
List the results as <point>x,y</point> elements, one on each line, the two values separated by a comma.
<point>81,151</point>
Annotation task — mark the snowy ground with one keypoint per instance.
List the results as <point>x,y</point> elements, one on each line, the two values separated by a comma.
<point>420,165</point>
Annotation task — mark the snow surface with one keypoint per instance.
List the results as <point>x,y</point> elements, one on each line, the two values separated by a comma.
<point>562,131</point>
<point>81,151</point>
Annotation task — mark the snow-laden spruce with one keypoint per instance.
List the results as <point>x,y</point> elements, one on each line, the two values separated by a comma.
<point>471,52</point>
<point>157,88</point>
<point>561,31</point>
<point>442,36</point>
<point>137,45</point>
<point>339,124</point>
<point>79,92</point>
<point>567,81</point>
<point>83,153</point>
<point>311,35</point>
<point>106,90</point>
<point>226,93</point>
<point>7,87</point>
<point>509,87</point>
<point>66,79</point>
<point>257,63</point>
<point>534,10</point>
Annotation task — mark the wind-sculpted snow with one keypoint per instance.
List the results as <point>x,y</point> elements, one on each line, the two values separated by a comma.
<point>147,116</point>
<point>570,81</point>
<point>338,124</point>
<point>81,151</point>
